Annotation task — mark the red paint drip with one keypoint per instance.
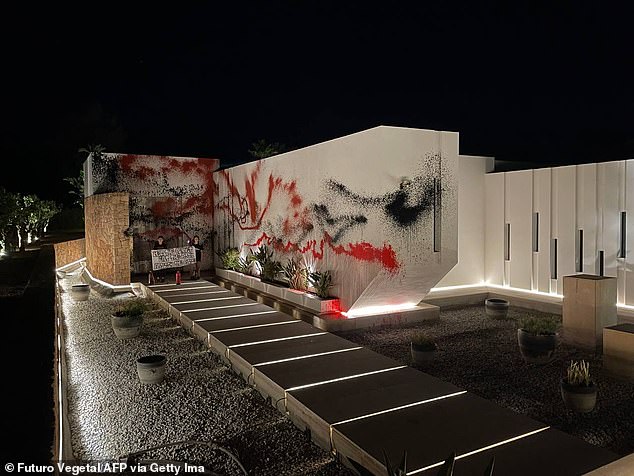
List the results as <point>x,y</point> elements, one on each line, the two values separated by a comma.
<point>362,251</point>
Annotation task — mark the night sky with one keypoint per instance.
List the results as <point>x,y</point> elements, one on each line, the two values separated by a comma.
<point>522,83</point>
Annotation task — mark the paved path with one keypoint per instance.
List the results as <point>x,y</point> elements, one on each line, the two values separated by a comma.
<point>360,403</point>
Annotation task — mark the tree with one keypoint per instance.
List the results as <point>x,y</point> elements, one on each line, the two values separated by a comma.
<point>262,149</point>
<point>96,149</point>
<point>77,188</point>
<point>8,213</point>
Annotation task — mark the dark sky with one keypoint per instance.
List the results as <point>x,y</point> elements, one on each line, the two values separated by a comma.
<point>522,83</point>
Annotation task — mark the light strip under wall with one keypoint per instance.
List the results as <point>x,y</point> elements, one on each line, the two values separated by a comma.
<point>279,339</point>
<point>254,326</point>
<point>341,379</point>
<point>114,287</point>
<point>207,300</point>
<point>70,265</point>
<point>409,405</point>
<point>233,315</point>
<point>290,359</point>
<point>219,307</point>
<point>182,289</point>
<point>480,450</point>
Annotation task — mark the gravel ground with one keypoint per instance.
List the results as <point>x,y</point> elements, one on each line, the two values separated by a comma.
<point>112,414</point>
<point>481,355</point>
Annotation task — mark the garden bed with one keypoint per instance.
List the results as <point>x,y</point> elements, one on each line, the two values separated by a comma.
<point>481,355</point>
<point>112,414</point>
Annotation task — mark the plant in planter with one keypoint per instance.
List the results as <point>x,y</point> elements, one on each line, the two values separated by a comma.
<point>270,270</point>
<point>229,258</point>
<point>578,391</point>
<point>127,319</point>
<point>296,275</point>
<point>537,339</point>
<point>422,348</point>
<point>321,281</point>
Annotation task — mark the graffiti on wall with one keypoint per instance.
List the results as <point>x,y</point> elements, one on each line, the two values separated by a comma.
<point>337,222</point>
<point>169,196</point>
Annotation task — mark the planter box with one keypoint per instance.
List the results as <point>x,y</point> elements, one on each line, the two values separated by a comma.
<point>300,298</point>
<point>589,306</point>
<point>618,350</point>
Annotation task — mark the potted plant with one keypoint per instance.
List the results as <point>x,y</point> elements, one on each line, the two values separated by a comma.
<point>127,319</point>
<point>80,292</point>
<point>151,368</point>
<point>537,339</point>
<point>321,281</point>
<point>578,391</point>
<point>296,275</point>
<point>422,348</point>
<point>496,308</point>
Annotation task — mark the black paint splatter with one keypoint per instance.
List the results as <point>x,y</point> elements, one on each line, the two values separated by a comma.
<point>342,223</point>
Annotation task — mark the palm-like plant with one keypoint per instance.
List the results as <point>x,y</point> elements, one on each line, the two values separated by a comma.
<point>296,275</point>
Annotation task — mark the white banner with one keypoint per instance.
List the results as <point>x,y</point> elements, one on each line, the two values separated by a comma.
<point>173,257</point>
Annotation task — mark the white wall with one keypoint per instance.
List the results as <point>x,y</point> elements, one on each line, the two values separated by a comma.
<point>281,201</point>
<point>587,197</point>
<point>471,221</point>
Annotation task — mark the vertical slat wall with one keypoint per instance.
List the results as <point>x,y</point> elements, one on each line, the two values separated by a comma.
<point>519,207</point>
<point>564,187</point>
<point>587,214</point>
<point>587,197</point>
<point>494,229</point>
<point>542,205</point>
<point>629,250</point>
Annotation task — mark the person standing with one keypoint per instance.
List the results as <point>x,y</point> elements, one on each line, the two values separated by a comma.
<point>199,252</point>
<point>160,245</point>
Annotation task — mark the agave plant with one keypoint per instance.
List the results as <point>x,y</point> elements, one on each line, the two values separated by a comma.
<point>263,255</point>
<point>270,270</point>
<point>321,281</point>
<point>447,468</point>
<point>296,275</point>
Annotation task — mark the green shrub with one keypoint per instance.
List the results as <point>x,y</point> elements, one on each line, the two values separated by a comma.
<point>132,308</point>
<point>578,373</point>
<point>539,326</point>
<point>423,342</point>
<point>229,258</point>
<point>321,281</point>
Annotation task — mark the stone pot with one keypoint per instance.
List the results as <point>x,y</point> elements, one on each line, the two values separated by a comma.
<point>151,368</point>
<point>536,349</point>
<point>578,398</point>
<point>126,327</point>
<point>80,292</point>
<point>420,355</point>
<point>496,308</point>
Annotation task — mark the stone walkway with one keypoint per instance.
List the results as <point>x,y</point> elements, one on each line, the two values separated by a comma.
<point>359,403</point>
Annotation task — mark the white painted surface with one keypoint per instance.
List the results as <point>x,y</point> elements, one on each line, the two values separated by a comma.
<point>494,229</point>
<point>518,198</point>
